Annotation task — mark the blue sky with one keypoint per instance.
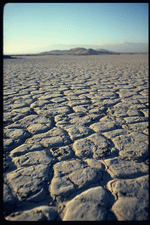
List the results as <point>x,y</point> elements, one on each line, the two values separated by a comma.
<point>37,27</point>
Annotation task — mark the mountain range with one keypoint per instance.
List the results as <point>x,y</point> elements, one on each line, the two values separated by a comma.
<point>78,51</point>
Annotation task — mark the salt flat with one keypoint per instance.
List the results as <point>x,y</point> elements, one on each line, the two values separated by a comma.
<point>75,137</point>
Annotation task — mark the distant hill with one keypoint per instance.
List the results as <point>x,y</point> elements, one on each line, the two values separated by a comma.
<point>78,51</point>
<point>103,51</point>
<point>8,57</point>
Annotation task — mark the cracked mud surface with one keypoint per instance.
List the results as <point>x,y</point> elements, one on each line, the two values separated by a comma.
<point>75,138</point>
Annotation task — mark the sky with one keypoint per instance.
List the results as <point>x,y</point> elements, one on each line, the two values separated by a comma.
<point>30,28</point>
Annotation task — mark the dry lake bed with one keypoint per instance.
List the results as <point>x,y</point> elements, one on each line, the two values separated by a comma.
<point>75,137</point>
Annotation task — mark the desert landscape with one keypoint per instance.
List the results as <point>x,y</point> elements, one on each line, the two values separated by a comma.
<point>75,143</point>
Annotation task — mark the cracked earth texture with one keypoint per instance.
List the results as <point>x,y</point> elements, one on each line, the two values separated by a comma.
<point>75,138</point>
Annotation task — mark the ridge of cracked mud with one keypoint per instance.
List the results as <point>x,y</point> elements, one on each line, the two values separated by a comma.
<point>75,143</point>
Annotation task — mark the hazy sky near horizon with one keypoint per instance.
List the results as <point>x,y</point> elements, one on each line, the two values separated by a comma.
<point>37,27</point>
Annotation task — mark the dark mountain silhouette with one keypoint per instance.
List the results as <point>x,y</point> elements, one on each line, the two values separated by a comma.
<point>8,57</point>
<point>103,51</point>
<point>78,51</point>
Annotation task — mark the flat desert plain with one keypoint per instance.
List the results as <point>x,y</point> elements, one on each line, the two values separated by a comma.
<point>75,143</point>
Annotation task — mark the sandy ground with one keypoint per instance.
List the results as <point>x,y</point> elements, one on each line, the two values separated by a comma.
<point>76,137</point>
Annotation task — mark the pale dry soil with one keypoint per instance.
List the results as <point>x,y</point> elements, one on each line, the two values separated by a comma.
<point>75,138</point>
